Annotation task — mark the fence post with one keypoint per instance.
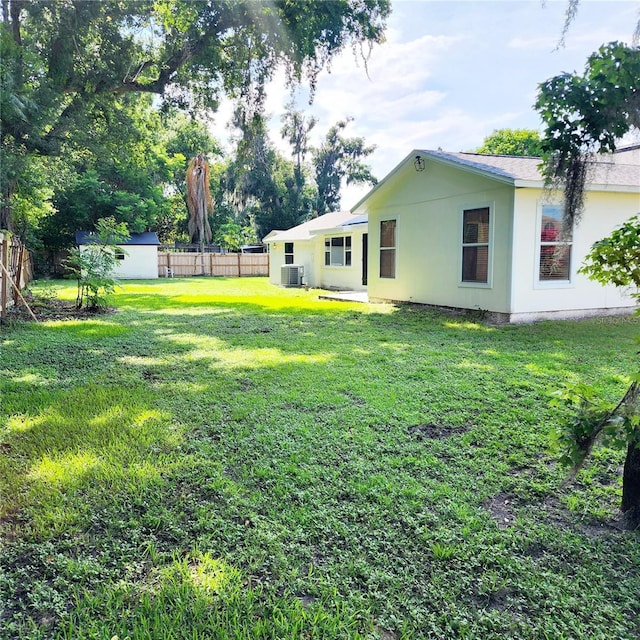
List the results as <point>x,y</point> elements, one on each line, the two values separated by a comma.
<point>239,266</point>
<point>4,279</point>
<point>18,278</point>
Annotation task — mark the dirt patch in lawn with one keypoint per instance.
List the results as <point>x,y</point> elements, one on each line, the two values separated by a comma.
<point>502,509</point>
<point>48,308</point>
<point>433,431</point>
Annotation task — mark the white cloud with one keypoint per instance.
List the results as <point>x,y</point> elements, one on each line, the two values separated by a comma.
<point>449,74</point>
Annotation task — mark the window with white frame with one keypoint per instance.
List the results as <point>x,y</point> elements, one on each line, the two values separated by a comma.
<point>476,244</point>
<point>337,251</point>
<point>387,248</point>
<point>556,242</point>
<point>288,252</point>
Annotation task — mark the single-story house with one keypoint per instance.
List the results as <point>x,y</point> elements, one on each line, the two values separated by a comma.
<point>137,257</point>
<point>480,232</point>
<point>327,252</point>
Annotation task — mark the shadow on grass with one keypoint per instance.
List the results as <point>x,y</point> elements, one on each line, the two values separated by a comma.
<point>277,439</point>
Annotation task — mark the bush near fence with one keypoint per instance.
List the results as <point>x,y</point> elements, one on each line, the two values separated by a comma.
<point>16,262</point>
<point>230,265</point>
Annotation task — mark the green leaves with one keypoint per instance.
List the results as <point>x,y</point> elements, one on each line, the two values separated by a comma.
<point>512,142</point>
<point>616,258</point>
<point>94,264</point>
<point>587,114</point>
<point>593,419</point>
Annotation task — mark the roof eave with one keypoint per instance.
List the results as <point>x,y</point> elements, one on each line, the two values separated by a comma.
<point>620,188</point>
<point>384,180</point>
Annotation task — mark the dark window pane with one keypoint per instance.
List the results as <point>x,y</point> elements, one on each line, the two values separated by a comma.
<point>327,258</point>
<point>388,263</point>
<point>337,242</point>
<point>288,247</point>
<point>475,264</point>
<point>388,233</point>
<point>476,226</point>
<point>347,241</point>
<point>288,258</point>
<point>347,258</point>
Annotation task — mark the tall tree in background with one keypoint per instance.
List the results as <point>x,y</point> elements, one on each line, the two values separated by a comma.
<point>339,158</point>
<point>512,142</point>
<point>295,130</point>
<point>185,138</point>
<point>64,62</point>
<point>199,203</point>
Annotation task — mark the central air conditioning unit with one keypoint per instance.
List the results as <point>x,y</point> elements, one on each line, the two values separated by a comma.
<point>291,275</point>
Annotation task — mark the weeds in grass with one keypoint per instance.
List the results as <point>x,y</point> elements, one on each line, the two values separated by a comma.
<point>225,459</point>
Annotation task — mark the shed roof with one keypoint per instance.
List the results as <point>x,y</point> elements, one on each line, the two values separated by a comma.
<point>145,238</point>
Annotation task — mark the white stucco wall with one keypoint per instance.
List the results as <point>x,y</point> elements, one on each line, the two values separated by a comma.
<point>603,212</point>
<point>303,253</point>
<point>428,208</point>
<point>140,263</point>
<point>310,254</point>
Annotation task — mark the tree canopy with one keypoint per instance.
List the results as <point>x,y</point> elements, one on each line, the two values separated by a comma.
<point>512,142</point>
<point>65,58</point>
<point>339,158</point>
<point>68,67</point>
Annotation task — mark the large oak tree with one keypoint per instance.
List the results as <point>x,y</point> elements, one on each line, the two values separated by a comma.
<point>64,61</point>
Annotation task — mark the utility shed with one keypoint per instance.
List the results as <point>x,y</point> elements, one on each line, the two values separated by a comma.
<point>137,257</point>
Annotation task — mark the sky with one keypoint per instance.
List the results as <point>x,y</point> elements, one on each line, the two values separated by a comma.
<point>449,74</point>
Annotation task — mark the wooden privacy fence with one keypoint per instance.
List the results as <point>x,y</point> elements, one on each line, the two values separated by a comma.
<point>16,271</point>
<point>230,265</point>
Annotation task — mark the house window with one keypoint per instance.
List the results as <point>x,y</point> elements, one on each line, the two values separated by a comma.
<point>475,245</point>
<point>556,242</point>
<point>388,249</point>
<point>337,251</point>
<point>119,254</point>
<point>288,252</point>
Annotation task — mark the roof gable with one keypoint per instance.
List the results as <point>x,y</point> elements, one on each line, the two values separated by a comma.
<point>619,171</point>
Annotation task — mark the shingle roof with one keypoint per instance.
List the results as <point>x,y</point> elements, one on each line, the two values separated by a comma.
<point>145,238</point>
<point>621,168</point>
<point>309,229</point>
<point>619,171</point>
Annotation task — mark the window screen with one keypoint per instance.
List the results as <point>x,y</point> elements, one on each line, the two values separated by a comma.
<point>475,245</point>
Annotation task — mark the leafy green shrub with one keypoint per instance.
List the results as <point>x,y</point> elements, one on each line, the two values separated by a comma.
<point>94,264</point>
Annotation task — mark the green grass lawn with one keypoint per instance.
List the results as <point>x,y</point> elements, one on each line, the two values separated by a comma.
<point>225,459</point>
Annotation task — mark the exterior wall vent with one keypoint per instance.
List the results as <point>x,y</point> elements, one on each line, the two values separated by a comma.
<point>291,275</point>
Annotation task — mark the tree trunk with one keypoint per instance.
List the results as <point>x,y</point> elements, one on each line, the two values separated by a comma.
<point>631,485</point>
<point>5,209</point>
